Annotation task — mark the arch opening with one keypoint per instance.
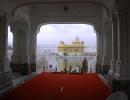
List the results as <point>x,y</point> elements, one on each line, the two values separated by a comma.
<point>77,41</point>
<point>10,44</point>
<point>61,2</point>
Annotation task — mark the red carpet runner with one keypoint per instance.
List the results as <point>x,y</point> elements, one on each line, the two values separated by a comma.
<point>48,86</point>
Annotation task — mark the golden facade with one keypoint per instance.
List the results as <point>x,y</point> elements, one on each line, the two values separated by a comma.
<point>74,49</point>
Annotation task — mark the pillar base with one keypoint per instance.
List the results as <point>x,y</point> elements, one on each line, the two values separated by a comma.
<point>23,69</point>
<point>106,69</point>
<point>111,70</point>
<point>102,68</point>
<point>98,68</point>
<point>121,85</point>
<point>121,71</point>
<point>121,76</point>
<point>33,67</point>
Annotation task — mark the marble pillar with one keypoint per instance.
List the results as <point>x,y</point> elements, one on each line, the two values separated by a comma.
<point>114,44</point>
<point>121,70</point>
<point>32,51</point>
<point>3,41</point>
<point>107,39</point>
<point>99,52</point>
<point>129,47</point>
<point>20,57</point>
<point>121,75</point>
<point>5,71</point>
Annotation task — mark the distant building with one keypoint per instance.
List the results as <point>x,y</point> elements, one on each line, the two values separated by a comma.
<point>47,49</point>
<point>74,49</point>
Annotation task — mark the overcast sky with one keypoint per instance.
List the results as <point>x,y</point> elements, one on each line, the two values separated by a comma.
<point>52,34</point>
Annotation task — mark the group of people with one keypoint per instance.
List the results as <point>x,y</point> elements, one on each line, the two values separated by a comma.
<point>80,68</point>
<point>70,69</point>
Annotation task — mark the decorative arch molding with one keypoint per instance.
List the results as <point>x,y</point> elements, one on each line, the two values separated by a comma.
<point>45,23</point>
<point>61,2</point>
<point>18,23</point>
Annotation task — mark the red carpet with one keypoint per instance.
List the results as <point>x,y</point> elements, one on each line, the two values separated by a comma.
<point>48,86</point>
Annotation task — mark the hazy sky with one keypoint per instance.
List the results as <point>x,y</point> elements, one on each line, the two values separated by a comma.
<point>52,34</point>
<point>10,37</point>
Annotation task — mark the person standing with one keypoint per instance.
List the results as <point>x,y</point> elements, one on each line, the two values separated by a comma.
<point>91,69</point>
<point>65,70</point>
<point>43,68</point>
<point>70,69</point>
<point>50,68</point>
<point>56,68</point>
<point>80,69</point>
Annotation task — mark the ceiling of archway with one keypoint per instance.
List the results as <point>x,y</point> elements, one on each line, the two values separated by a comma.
<point>107,4</point>
<point>89,10</point>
